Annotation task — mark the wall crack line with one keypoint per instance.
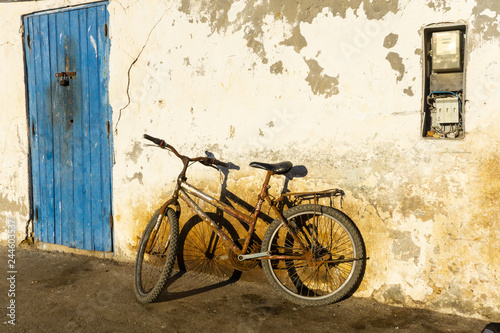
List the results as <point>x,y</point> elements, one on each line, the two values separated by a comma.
<point>132,65</point>
<point>126,8</point>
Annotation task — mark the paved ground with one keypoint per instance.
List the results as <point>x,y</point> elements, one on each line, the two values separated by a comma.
<point>56,292</point>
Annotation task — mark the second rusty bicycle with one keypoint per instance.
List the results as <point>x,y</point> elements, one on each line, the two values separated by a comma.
<point>311,254</point>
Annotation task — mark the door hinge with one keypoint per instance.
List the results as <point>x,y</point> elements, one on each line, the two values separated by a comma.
<point>106,29</point>
<point>36,214</point>
<point>111,221</point>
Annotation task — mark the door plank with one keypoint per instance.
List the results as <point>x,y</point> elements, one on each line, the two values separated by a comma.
<point>66,151</point>
<point>46,138</point>
<point>75,127</point>
<point>39,128</point>
<point>102,42</point>
<point>56,121</point>
<point>95,119</point>
<point>30,66</point>
<point>85,135</point>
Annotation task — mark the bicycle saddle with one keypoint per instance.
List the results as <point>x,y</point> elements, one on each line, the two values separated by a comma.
<point>277,168</point>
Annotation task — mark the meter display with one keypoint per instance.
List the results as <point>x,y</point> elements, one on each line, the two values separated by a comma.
<point>446,51</point>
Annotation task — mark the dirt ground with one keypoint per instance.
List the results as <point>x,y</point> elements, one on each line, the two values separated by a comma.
<point>58,292</point>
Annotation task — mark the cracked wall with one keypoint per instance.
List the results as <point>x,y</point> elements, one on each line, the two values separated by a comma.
<point>334,88</point>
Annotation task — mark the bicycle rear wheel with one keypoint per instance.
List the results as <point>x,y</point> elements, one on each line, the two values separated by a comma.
<point>336,255</point>
<point>156,255</point>
<point>203,252</point>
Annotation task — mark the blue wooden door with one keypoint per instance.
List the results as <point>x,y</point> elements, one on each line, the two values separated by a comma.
<point>70,125</point>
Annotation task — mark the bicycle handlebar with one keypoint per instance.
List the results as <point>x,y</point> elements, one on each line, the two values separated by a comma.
<point>203,160</point>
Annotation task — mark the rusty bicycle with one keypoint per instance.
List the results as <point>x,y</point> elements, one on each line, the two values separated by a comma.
<point>311,254</point>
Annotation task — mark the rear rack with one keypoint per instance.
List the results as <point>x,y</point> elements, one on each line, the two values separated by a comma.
<point>316,196</point>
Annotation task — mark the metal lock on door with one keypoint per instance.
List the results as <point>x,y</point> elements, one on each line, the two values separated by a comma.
<point>65,77</point>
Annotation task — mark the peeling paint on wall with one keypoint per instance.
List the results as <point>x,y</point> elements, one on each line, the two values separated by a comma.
<point>138,176</point>
<point>390,40</point>
<point>403,247</point>
<point>321,84</point>
<point>136,152</point>
<point>408,91</point>
<point>251,17</point>
<point>397,64</point>
<point>12,206</point>
<point>232,132</point>
<point>277,68</point>
<point>487,19</point>
<point>439,5</point>
<point>296,40</point>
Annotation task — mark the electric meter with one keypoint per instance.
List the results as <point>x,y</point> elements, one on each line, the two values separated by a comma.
<point>446,51</point>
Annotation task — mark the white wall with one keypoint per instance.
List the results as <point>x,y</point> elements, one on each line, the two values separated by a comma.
<point>329,88</point>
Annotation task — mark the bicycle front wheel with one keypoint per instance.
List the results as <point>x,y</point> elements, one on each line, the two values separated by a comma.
<point>330,263</point>
<point>156,255</point>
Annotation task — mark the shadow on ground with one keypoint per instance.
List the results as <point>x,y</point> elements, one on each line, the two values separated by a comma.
<point>57,292</point>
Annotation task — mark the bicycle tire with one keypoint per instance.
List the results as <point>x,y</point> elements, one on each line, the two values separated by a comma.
<point>156,255</point>
<point>202,251</point>
<point>328,233</point>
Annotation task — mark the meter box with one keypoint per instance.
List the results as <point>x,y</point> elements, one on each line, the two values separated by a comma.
<point>446,51</point>
<point>447,110</point>
<point>443,73</point>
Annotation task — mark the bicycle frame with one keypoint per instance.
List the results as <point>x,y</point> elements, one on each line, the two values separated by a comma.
<point>184,189</point>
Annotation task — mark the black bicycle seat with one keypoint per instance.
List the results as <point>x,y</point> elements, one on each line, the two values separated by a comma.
<point>277,168</point>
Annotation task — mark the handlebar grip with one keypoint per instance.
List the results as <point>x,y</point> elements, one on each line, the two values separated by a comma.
<point>157,141</point>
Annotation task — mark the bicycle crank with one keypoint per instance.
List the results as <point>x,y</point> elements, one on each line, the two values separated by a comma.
<point>245,264</point>
<point>243,257</point>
